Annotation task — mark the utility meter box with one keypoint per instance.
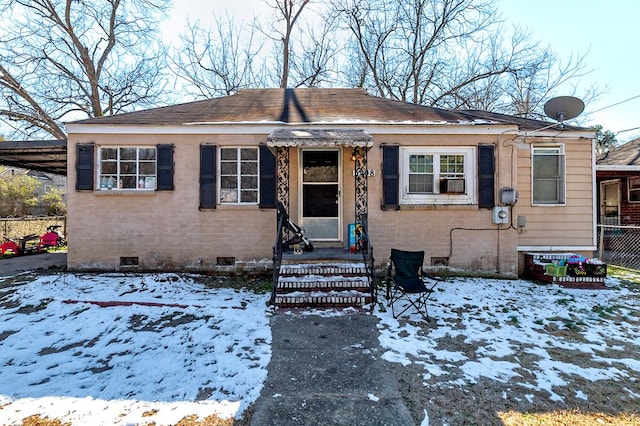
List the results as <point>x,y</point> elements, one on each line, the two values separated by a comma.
<point>501,215</point>
<point>508,196</point>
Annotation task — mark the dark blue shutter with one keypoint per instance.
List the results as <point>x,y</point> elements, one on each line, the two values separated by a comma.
<point>267,178</point>
<point>486,176</point>
<point>165,168</point>
<point>390,177</point>
<point>85,160</point>
<point>208,176</point>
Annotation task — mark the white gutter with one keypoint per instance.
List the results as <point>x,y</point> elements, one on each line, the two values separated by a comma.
<point>557,248</point>
<point>630,168</point>
<point>594,193</point>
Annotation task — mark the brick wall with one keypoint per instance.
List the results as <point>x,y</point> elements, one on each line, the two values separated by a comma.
<point>629,211</point>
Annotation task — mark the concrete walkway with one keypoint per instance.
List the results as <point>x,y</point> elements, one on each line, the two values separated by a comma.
<point>32,262</point>
<point>328,371</point>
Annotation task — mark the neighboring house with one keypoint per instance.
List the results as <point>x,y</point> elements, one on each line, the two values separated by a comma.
<point>194,186</point>
<point>618,179</point>
<point>46,182</point>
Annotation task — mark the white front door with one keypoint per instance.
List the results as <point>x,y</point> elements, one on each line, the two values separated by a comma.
<point>320,188</point>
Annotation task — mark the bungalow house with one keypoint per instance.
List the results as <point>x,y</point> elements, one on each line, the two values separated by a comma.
<point>618,179</point>
<point>195,186</point>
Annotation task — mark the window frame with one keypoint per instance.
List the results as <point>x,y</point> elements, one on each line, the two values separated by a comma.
<point>559,151</point>
<point>631,191</point>
<point>220,175</point>
<point>149,179</point>
<point>469,196</point>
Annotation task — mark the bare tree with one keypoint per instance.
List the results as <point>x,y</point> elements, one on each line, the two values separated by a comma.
<point>317,61</point>
<point>220,60</point>
<point>449,53</point>
<point>288,12</point>
<point>528,88</point>
<point>62,59</point>
<point>278,50</point>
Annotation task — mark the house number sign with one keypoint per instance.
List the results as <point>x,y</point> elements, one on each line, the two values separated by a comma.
<point>368,173</point>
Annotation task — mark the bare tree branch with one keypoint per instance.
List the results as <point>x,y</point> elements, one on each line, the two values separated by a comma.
<point>78,59</point>
<point>218,61</point>
<point>451,54</point>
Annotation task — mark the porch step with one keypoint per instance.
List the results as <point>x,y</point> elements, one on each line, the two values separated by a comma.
<point>323,284</point>
<point>311,282</point>
<point>323,300</point>
<point>324,268</point>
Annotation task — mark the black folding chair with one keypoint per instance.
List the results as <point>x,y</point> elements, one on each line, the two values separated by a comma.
<point>407,281</point>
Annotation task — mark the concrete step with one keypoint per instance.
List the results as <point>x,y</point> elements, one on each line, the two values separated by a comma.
<point>324,268</point>
<point>331,299</point>
<point>323,284</point>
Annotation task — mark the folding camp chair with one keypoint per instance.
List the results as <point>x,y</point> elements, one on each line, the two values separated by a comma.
<point>407,281</point>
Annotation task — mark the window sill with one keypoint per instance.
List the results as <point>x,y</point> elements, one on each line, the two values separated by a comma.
<point>237,207</point>
<point>410,207</point>
<point>125,192</point>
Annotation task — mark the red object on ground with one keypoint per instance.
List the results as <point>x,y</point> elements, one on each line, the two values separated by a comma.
<point>50,239</point>
<point>119,303</point>
<point>9,246</point>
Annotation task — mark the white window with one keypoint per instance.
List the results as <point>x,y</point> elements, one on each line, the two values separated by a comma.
<point>634,190</point>
<point>238,176</point>
<point>548,175</point>
<point>438,176</point>
<point>126,167</point>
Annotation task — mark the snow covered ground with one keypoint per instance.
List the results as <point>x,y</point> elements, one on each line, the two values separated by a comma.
<point>499,322</point>
<point>132,349</point>
<point>167,349</point>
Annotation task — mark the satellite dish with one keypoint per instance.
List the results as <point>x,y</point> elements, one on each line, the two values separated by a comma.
<point>563,108</point>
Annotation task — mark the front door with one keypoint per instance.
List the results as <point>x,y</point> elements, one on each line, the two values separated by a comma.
<point>320,187</point>
<point>610,202</point>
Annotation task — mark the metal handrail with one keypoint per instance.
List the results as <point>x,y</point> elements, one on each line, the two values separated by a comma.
<point>363,245</point>
<point>277,255</point>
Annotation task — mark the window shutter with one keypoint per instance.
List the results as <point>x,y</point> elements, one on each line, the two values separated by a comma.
<point>486,176</point>
<point>208,176</point>
<point>267,178</point>
<point>84,166</point>
<point>165,168</point>
<point>390,177</point>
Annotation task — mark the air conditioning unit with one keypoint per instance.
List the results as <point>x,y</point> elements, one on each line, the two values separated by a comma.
<point>452,186</point>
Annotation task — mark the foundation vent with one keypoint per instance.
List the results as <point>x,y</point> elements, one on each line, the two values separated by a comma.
<point>226,261</point>
<point>129,261</point>
<point>439,261</point>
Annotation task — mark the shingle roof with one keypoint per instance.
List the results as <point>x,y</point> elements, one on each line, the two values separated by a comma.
<point>305,105</point>
<point>627,154</point>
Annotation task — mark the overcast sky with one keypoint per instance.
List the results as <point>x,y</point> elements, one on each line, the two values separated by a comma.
<point>601,29</point>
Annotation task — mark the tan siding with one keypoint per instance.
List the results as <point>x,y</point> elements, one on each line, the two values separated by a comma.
<point>569,225</point>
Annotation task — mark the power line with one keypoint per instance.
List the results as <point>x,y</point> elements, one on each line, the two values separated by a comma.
<point>627,130</point>
<point>613,105</point>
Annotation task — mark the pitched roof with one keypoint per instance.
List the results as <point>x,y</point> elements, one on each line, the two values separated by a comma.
<point>306,105</point>
<point>627,154</point>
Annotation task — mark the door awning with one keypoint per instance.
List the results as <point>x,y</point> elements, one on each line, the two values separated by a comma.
<point>319,137</point>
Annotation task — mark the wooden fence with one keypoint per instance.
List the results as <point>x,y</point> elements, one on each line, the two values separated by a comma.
<point>21,226</point>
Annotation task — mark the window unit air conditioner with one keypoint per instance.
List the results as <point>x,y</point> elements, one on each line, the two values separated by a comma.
<point>452,186</point>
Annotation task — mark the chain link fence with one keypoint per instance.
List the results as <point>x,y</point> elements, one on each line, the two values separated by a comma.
<point>19,227</point>
<point>619,245</point>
